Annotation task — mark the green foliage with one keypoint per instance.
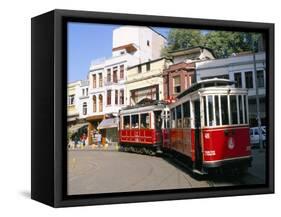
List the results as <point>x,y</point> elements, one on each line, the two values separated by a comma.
<point>182,38</point>
<point>223,43</point>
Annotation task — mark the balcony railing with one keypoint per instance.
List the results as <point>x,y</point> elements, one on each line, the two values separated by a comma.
<point>107,83</point>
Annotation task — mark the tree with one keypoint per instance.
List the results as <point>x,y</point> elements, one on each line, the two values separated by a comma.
<point>223,43</point>
<point>181,39</point>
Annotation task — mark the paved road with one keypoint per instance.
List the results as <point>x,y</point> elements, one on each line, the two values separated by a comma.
<point>110,171</point>
<point>256,173</point>
<point>93,171</point>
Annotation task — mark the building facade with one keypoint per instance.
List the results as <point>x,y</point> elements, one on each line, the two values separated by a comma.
<point>240,68</point>
<point>145,81</point>
<point>107,76</point>
<point>83,96</point>
<point>180,75</point>
<point>73,102</point>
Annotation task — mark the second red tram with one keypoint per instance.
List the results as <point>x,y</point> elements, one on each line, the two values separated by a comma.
<point>209,125</point>
<point>140,128</point>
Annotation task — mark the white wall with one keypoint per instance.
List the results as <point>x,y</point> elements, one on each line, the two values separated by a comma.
<point>125,35</point>
<point>231,65</point>
<point>126,60</point>
<point>15,154</point>
<point>139,36</point>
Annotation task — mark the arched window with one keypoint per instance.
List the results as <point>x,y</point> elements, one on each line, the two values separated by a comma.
<point>100,103</point>
<point>84,108</point>
<point>94,104</point>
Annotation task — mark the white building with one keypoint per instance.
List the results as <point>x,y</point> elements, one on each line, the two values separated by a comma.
<point>83,96</point>
<point>107,94</point>
<point>240,68</point>
<point>143,42</point>
<point>73,102</point>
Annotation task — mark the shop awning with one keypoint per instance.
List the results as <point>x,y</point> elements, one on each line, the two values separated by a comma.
<point>108,123</point>
<point>76,127</point>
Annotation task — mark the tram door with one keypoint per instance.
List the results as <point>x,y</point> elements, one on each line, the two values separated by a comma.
<point>197,125</point>
<point>158,126</point>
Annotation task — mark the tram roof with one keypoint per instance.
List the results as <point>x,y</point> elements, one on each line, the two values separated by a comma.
<point>153,103</point>
<point>206,83</point>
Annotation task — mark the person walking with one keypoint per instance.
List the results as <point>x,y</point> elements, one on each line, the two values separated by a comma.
<point>76,139</point>
<point>84,137</point>
<point>99,139</point>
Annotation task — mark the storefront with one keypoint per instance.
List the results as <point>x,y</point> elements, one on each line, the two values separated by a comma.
<point>76,133</point>
<point>93,123</point>
<point>110,126</point>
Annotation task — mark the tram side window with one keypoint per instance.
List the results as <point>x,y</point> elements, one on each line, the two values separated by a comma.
<point>217,110</point>
<point>240,109</point>
<point>186,115</point>
<point>135,121</point>
<point>145,121</point>
<point>233,109</point>
<point>126,122</point>
<point>211,114</point>
<point>173,115</point>
<point>224,110</point>
<point>179,121</point>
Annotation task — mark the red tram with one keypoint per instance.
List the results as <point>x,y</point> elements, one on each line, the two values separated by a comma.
<point>141,130</point>
<point>208,125</point>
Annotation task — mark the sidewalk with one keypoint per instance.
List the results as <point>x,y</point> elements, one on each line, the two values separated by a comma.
<point>96,148</point>
<point>258,168</point>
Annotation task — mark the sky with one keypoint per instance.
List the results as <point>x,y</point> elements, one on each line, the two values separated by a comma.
<point>87,42</point>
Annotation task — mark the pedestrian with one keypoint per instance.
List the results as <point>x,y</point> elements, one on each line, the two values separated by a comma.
<point>84,137</point>
<point>99,139</point>
<point>76,139</point>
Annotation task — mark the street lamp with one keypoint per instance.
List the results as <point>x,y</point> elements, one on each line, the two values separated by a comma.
<point>257,96</point>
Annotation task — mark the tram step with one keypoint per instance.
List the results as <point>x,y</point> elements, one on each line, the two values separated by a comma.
<point>199,172</point>
<point>159,152</point>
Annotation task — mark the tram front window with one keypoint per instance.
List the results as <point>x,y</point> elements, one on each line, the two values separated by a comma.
<point>173,113</point>
<point>145,121</point>
<point>179,121</point>
<point>233,109</point>
<point>240,109</point>
<point>210,109</point>
<point>205,111</point>
<point>186,115</point>
<point>224,110</point>
<point>158,120</point>
<point>126,122</point>
<point>246,109</point>
<point>217,110</point>
<point>135,121</point>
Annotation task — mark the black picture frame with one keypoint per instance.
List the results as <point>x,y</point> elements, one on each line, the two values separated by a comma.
<point>49,85</point>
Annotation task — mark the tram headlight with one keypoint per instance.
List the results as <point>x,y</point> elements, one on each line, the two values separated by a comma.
<point>207,135</point>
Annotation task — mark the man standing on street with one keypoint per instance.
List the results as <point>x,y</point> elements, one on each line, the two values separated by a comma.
<point>99,139</point>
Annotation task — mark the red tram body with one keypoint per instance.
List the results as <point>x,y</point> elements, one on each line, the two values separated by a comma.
<point>141,128</point>
<point>208,125</point>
